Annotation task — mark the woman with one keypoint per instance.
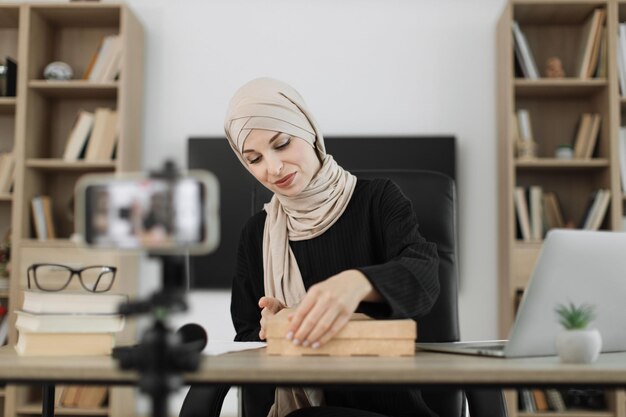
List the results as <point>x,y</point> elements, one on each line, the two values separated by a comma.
<point>326,244</point>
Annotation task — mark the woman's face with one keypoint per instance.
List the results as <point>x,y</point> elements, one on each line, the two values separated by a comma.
<point>283,163</point>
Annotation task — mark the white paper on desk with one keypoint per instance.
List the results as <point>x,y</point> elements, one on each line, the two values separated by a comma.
<point>219,347</point>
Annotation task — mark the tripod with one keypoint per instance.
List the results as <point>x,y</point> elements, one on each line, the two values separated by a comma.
<point>161,356</point>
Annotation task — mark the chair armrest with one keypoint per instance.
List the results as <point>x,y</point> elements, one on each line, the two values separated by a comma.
<point>486,402</point>
<point>204,401</point>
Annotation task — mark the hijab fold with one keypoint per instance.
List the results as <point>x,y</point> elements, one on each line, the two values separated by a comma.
<point>269,104</point>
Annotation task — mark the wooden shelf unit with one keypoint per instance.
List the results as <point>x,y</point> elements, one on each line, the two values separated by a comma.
<point>554,28</point>
<point>9,23</point>
<point>42,116</point>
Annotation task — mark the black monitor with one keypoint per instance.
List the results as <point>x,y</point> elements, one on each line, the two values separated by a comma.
<point>435,153</point>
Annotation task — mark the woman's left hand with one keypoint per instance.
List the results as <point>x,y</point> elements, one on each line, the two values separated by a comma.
<point>327,307</point>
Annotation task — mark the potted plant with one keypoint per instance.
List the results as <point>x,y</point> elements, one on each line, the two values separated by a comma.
<point>576,343</point>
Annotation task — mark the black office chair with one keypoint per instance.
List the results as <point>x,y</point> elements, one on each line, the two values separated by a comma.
<point>433,197</point>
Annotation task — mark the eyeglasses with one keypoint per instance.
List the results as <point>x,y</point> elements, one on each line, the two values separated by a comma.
<point>55,277</point>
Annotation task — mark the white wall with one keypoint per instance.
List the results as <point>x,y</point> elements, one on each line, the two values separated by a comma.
<point>363,66</point>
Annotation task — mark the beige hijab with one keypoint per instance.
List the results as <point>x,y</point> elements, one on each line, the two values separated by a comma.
<point>269,104</point>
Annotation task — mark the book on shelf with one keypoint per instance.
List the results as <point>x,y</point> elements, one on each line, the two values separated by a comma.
<point>8,82</point>
<point>103,137</point>
<point>4,283</point>
<point>621,147</point>
<point>536,212</point>
<point>555,400</point>
<point>80,396</point>
<point>79,136</point>
<point>525,128</point>
<point>591,37</point>
<point>596,209</point>
<point>69,322</point>
<point>521,209</point>
<point>526,400</point>
<point>104,66</point>
<point>69,396</point>
<point>91,396</point>
<point>541,402</point>
<point>58,394</point>
<point>71,302</point>
<point>582,134</point>
<point>601,70</point>
<point>621,58</point>
<point>7,172</point>
<point>552,211</point>
<point>592,136</point>
<point>523,53</point>
<point>92,60</point>
<point>113,63</point>
<point>42,217</point>
<point>64,344</point>
<point>587,135</point>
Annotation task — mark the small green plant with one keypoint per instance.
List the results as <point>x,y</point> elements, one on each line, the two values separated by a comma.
<point>573,317</point>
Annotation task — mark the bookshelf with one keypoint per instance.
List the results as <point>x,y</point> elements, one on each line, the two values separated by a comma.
<point>555,28</point>
<point>40,119</point>
<point>9,23</point>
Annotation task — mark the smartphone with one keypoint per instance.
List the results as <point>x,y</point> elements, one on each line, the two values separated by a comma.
<point>138,212</point>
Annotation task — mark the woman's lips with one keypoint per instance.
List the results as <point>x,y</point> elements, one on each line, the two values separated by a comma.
<point>285,181</point>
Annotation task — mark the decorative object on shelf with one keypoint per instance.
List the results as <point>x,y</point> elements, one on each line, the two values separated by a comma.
<point>554,68</point>
<point>564,151</point>
<point>58,71</point>
<point>5,256</point>
<point>575,343</point>
<point>526,149</point>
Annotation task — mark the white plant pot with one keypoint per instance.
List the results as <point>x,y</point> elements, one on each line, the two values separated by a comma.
<point>579,346</point>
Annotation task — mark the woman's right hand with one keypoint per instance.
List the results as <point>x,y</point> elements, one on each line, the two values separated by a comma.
<point>269,306</point>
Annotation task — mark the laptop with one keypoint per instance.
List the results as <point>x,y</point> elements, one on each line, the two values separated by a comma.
<point>574,266</point>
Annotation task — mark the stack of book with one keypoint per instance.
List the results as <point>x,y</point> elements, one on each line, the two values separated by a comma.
<point>64,323</point>
<point>93,136</point>
<point>534,400</point>
<point>537,211</point>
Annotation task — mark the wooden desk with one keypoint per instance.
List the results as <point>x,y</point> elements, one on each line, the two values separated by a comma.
<point>255,367</point>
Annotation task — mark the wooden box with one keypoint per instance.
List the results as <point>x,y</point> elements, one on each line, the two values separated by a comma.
<point>362,336</point>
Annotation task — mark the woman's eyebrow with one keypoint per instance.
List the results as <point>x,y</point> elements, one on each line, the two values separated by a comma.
<point>272,139</point>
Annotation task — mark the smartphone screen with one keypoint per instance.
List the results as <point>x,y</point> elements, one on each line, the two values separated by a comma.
<point>147,213</point>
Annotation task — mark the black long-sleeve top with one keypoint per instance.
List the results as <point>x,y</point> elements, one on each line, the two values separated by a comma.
<point>377,235</point>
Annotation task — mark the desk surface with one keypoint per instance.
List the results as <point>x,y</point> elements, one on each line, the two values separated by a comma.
<point>255,367</point>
